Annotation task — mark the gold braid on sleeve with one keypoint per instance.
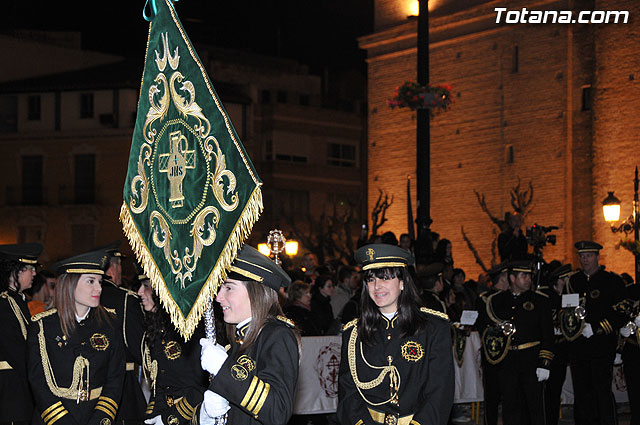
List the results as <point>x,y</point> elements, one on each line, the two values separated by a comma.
<point>149,367</point>
<point>76,391</point>
<point>392,371</point>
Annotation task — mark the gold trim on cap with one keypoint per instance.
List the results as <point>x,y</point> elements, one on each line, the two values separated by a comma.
<point>588,250</point>
<point>27,261</point>
<point>83,271</point>
<point>522,269</point>
<point>246,273</point>
<point>240,260</point>
<point>382,265</point>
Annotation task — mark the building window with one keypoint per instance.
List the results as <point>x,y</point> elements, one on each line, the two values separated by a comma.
<point>290,158</point>
<point>281,96</point>
<point>586,98</point>
<point>516,60</point>
<point>32,180</point>
<point>33,108</point>
<point>8,114</point>
<point>341,155</point>
<point>86,105</point>
<point>509,154</point>
<point>85,178</point>
<point>265,97</point>
<point>291,202</point>
<point>304,99</point>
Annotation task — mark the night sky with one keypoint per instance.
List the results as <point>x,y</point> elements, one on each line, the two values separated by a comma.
<point>317,33</point>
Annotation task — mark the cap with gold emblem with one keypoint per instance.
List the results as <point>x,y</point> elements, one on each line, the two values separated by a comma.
<point>587,246</point>
<point>378,256</point>
<point>25,253</point>
<point>496,270</point>
<point>90,262</point>
<point>255,266</point>
<point>520,266</point>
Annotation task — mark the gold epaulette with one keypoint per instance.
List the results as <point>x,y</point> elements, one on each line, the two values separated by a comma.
<point>286,320</point>
<point>40,315</point>
<point>4,294</point>
<point>350,324</point>
<point>542,293</point>
<point>434,313</point>
<point>111,310</point>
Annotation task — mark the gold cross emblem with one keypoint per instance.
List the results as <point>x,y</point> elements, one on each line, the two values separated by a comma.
<point>370,253</point>
<point>175,164</point>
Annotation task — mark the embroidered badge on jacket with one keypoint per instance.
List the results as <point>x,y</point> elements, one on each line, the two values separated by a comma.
<point>172,350</point>
<point>412,351</point>
<point>99,341</point>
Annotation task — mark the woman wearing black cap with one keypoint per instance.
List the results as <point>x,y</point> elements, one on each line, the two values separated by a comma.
<point>397,361</point>
<point>17,269</point>
<point>256,381</point>
<point>177,380</point>
<point>76,361</point>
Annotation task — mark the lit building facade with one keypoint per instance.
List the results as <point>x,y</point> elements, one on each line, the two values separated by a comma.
<point>553,104</point>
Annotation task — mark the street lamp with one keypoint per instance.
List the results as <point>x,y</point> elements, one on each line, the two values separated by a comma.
<point>611,210</point>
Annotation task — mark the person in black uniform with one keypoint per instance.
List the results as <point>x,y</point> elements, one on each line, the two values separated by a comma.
<point>491,386</point>
<point>125,304</point>
<point>256,381</point>
<point>512,243</point>
<point>397,363</point>
<point>553,389</point>
<point>173,365</point>
<point>631,351</point>
<point>17,270</point>
<point>524,355</point>
<point>592,354</point>
<point>76,362</point>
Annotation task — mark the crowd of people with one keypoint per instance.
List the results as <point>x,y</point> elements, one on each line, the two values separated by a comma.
<point>76,341</point>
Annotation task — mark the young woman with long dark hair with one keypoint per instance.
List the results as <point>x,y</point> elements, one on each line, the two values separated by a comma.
<point>76,361</point>
<point>397,362</point>
<point>256,381</point>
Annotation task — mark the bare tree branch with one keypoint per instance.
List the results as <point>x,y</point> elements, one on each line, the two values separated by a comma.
<point>473,249</point>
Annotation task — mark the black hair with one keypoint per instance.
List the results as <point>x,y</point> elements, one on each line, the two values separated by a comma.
<point>345,272</point>
<point>9,270</point>
<point>156,322</point>
<point>410,320</point>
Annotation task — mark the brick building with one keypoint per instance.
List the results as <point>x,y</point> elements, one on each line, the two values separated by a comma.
<point>554,104</point>
<point>65,140</point>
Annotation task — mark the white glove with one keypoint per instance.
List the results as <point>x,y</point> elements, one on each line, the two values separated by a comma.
<point>212,356</point>
<point>213,405</point>
<point>625,331</point>
<point>156,420</point>
<point>637,320</point>
<point>618,359</point>
<point>542,374</point>
<point>587,332</point>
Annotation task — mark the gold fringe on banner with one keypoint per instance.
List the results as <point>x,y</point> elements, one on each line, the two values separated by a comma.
<point>240,233</point>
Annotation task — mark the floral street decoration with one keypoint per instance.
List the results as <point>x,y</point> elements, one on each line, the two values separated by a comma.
<point>415,96</point>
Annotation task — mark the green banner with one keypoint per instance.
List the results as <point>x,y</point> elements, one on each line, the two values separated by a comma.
<point>191,195</point>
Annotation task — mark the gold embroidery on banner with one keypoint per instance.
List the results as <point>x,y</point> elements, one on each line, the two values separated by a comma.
<point>412,351</point>
<point>99,341</point>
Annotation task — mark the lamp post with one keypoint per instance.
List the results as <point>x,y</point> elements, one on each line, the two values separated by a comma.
<point>611,210</point>
<point>424,247</point>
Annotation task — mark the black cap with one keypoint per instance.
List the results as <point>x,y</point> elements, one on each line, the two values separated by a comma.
<point>378,256</point>
<point>25,253</point>
<point>562,271</point>
<point>520,266</point>
<point>112,249</point>
<point>250,263</point>
<point>91,262</point>
<point>140,272</point>
<point>587,246</point>
<point>496,270</point>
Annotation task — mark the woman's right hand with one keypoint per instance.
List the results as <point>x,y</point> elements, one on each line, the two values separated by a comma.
<point>212,356</point>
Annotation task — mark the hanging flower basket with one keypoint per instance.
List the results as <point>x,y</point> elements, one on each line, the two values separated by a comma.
<point>630,245</point>
<point>414,96</point>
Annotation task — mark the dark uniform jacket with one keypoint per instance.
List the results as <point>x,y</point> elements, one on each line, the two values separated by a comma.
<point>75,380</point>
<point>530,313</point>
<point>125,304</point>
<point>260,385</point>
<point>409,379</point>
<point>603,294</point>
<point>178,382</point>
<point>15,397</point>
